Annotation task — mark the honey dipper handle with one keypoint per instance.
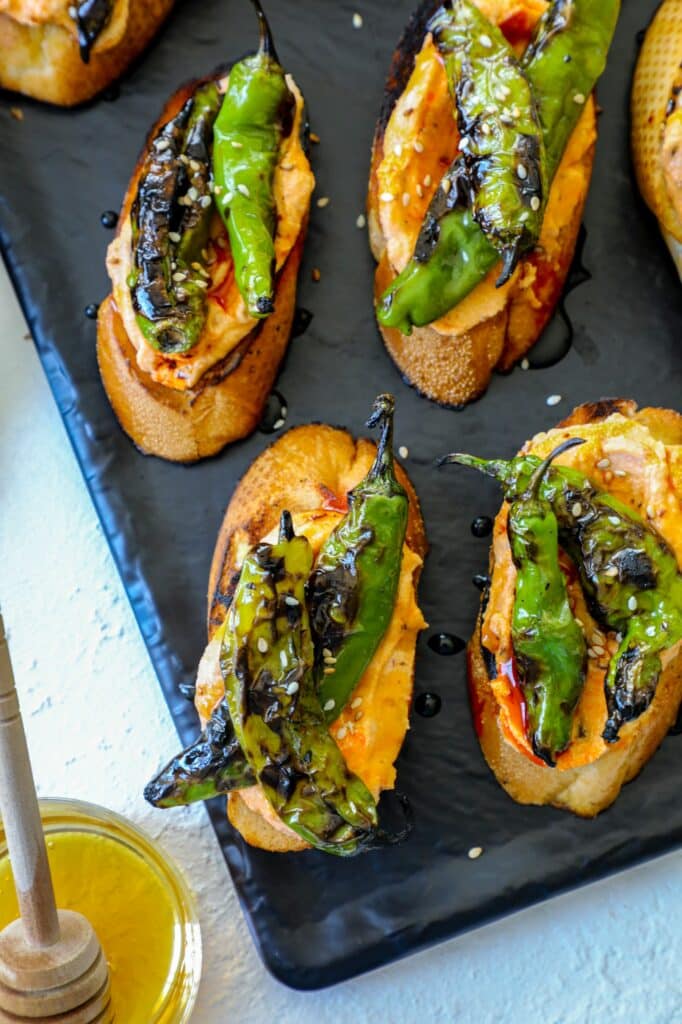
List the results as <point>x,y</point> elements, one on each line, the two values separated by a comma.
<point>21,816</point>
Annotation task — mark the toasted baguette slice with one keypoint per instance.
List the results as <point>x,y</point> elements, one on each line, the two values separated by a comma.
<point>589,788</point>
<point>42,58</point>
<point>228,400</point>
<point>453,367</point>
<point>656,107</point>
<point>307,468</point>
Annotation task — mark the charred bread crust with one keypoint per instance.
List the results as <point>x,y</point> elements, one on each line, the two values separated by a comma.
<point>297,472</point>
<point>590,789</point>
<point>454,369</point>
<point>43,61</point>
<point>227,402</point>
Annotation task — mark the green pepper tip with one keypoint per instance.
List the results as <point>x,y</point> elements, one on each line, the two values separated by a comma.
<point>536,479</point>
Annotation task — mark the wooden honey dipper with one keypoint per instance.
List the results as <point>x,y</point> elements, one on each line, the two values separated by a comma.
<point>51,963</point>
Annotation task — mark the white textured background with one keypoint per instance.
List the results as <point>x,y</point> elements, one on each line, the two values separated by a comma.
<point>96,721</point>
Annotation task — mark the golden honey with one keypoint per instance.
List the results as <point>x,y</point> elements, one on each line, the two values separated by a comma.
<point>134,898</point>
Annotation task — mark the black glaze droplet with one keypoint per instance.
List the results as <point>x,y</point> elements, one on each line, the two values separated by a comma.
<point>676,729</point>
<point>427,704</point>
<point>302,321</point>
<point>557,338</point>
<point>482,526</point>
<point>112,93</point>
<point>109,219</point>
<point>274,413</point>
<point>639,38</point>
<point>446,643</point>
<point>480,581</point>
<point>188,690</point>
<point>91,311</point>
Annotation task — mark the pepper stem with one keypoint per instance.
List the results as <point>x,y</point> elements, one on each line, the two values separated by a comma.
<point>536,479</point>
<point>266,44</point>
<point>496,468</point>
<point>286,527</point>
<point>382,413</point>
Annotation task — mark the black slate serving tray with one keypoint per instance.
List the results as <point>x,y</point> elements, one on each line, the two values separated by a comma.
<point>317,920</point>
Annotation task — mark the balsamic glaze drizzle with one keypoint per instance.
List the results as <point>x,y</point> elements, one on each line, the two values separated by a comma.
<point>274,413</point>
<point>482,526</point>
<point>446,643</point>
<point>427,704</point>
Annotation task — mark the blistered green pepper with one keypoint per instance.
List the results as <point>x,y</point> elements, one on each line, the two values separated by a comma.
<point>503,153</point>
<point>256,114</point>
<point>353,589</point>
<point>630,576</point>
<point>170,221</point>
<point>549,645</point>
<point>273,703</point>
<point>562,64</point>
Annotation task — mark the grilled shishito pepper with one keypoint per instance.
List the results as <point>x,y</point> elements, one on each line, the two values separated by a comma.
<point>502,146</point>
<point>353,589</point>
<point>170,217</point>
<point>214,764</point>
<point>562,64</point>
<point>549,645</point>
<point>274,707</point>
<point>256,114</point>
<point>629,575</point>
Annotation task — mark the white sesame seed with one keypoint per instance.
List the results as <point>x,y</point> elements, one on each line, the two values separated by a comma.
<point>553,399</point>
<point>492,109</point>
<point>650,631</point>
<point>485,128</point>
<point>244,190</point>
<point>237,145</point>
<point>522,172</point>
<point>205,201</point>
<point>323,201</point>
<point>579,99</point>
<point>342,732</point>
<point>398,149</point>
<point>291,601</point>
<point>73,11</point>
<point>262,644</point>
<point>356,703</point>
<point>278,424</point>
<point>535,204</point>
<point>292,688</point>
<point>516,112</point>
<point>577,510</point>
<point>201,284</point>
<point>603,463</point>
<point>174,236</point>
<point>330,660</point>
<point>503,93</point>
<point>195,165</point>
<point>217,189</point>
<point>326,653</point>
<point>418,146</point>
<point>403,452</point>
<point>193,193</point>
<point>486,41</point>
<point>162,144</point>
<point>419,190</point>
<point>406,197</point>
<point>475,852</point>
<point>360,221</point>
<point>632,603</point>
<point>464,142</point>
<point>427,180</point>
<point>525,365</point>
<point>179,275</point>
<point>598,650</point>
<point>611,571</point>
<point>446,185</point>
<point>329,671</point>
<point>620,472</point>
<point>329,705</point>
<point>387,197</point>
<point>357,20</point>
<point>614,520</point>
<point>524,216</point>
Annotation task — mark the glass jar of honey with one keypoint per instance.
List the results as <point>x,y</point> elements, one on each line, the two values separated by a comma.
<point>136,900</point>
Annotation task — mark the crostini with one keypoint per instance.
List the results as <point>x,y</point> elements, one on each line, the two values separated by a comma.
<point>205,261</point>
<point>305,687</point>
<point>65,53</point>
<point>486,104</point>
<point>575,666</point>
<point>657,123</point>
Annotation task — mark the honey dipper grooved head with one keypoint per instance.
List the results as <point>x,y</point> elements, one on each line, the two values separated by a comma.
<point>68,980</point>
